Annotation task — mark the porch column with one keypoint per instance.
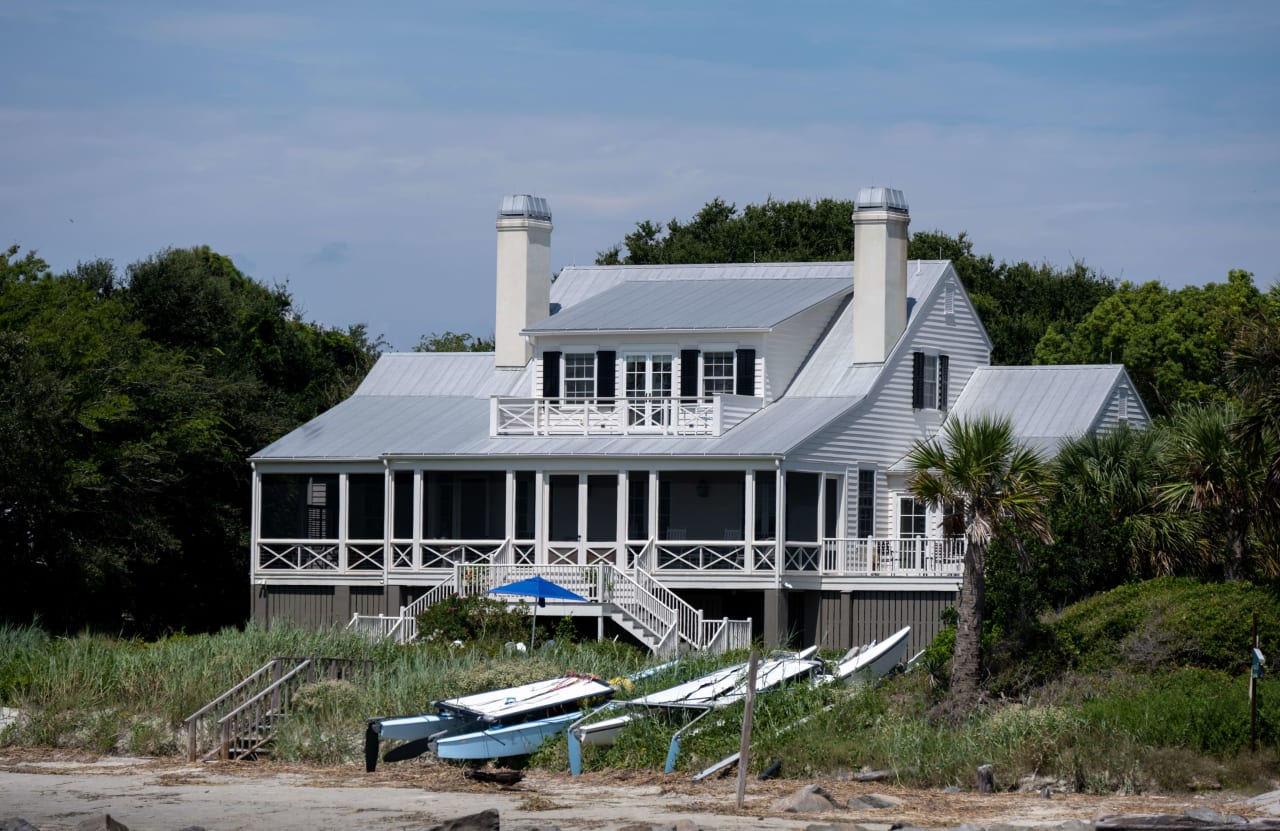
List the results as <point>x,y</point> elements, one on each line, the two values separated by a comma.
<point>780,552</point>
<point>539,517</point>
<point>653,510</point>
<point>775,618</point>
<point>388,521</point>
<point>255,524</point>
<point>584,509</point>
<point>417,518</point>
<point>342,523</point>
<point>823,484</point>
<point>620,538</point>
<point>509,515</point>
<point>749,521</point>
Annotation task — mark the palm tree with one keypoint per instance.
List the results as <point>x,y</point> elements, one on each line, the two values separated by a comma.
<point>979,474</point>
<point>1120,471</point>
<point>1209,470</point>
<point>1253,370</point>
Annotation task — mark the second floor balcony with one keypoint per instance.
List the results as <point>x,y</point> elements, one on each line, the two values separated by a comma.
<point>648,416</point>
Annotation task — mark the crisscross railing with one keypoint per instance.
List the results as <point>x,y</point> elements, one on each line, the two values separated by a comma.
<point>648,415</point>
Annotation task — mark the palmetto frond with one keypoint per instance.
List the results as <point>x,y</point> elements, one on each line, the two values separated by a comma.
<point>978,468</point>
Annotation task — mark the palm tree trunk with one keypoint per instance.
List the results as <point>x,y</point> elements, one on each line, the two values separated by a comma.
<point>966,664</point>
<point>1234,567</point>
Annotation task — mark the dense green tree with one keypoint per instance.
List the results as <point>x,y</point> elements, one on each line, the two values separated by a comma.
<point>124,481</point>
<point>1173,342</point>
<point>450,341</point>
<point>994,488</point>
<point>1253,371</point>
<point>1017,302</point>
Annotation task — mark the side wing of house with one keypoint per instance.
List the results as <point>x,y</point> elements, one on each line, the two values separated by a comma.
<point>943,345</point>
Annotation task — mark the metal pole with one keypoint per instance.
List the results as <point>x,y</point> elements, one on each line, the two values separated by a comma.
<point>744,748</point>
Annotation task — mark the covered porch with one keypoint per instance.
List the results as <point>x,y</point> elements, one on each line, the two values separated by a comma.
<point>413,523</point>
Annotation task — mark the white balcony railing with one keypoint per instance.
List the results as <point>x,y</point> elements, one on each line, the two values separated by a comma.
<point>864,557</point>
<point>668,416</point>
<point>894,557</point>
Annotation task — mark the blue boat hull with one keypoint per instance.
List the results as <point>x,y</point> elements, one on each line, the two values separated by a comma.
<point>510,740</point>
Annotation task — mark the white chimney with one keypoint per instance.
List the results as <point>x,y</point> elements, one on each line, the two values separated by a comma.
<point>880,222</point>
<point>524,275</point>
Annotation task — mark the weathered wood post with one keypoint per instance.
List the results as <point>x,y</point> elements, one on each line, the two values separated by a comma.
<point>1254,670</point>
<point>744,748</point>
<point>986,779</point>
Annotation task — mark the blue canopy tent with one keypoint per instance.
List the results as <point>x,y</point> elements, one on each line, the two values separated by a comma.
<point>542,590</point>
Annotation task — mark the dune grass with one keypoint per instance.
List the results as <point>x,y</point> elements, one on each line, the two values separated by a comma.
<point>1105,722</point>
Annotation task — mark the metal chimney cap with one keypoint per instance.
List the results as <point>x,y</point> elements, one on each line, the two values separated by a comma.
<point>522,204</point>
<point>881,199</point>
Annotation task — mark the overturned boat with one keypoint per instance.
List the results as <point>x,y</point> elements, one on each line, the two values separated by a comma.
<point>713,691</point>
<point>726,686</point>
<point>494,724</point>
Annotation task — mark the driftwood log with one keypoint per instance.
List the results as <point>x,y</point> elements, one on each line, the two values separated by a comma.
<point>1180,822</point>
<point>495,777</point>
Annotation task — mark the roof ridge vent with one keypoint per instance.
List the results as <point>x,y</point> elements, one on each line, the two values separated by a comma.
<point>883,199</point>
<point>526,205</point>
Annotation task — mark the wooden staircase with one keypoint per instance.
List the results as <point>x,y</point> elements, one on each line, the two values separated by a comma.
<point>238,723</point>
<point>653,614</point>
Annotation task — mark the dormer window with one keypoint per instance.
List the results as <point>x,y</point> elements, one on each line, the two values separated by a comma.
<point>717,373</point>
<point>929,381</point>
<point>580,375</point>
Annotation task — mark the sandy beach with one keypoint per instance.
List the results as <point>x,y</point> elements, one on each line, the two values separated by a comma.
<point>57,790</point>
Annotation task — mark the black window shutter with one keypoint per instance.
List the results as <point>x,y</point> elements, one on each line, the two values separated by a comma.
<point>746,380</point>
<point>606,372</point>
<point>550,374</point>
<point>943,361</point>
<point>917,380</point>
<point>689,373</point>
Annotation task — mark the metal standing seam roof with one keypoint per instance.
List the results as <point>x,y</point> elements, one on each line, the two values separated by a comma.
<point>1045,404</point>
<point>470,374</point>
<point>437,404</point>
<point>649,305</point>
<point>577,283</point>
<point>373,426</point>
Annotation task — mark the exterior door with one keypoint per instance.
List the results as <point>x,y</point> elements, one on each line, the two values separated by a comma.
<point>582,518</point>
<point>648,389</point>
<point>913,528</point>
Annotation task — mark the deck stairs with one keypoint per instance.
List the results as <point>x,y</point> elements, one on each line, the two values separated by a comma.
<point>240,722</point>
<point>653,614</point>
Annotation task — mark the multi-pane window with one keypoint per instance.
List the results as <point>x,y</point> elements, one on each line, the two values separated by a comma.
<point>866,503</point>
<point>912,517</point>
<point>929,381</point>
<point>717,373</point>
<point>580,375</point>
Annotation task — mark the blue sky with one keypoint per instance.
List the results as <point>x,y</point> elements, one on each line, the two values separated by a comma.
<point>358,152</point>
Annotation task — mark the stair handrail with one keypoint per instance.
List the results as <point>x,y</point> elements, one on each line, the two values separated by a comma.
<point>688,619</point>
<point>256,713</point>
<point>641,605</point>
<point>196,722</point>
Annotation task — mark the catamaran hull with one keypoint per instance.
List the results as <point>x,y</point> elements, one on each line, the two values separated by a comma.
<point>499,742</point>
<point>877,661</point>
<point>408,728</point>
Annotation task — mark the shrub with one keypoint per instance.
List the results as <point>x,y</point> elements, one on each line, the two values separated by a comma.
<point>474,617</point>
<point>1166,623</point>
